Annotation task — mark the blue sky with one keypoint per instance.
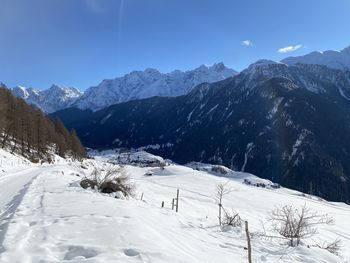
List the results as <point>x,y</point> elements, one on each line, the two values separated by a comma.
<point>80,42</point>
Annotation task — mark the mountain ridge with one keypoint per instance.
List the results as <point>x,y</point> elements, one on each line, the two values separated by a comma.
<point>330,58</point>
<point>134,85</point>
<point>289,124</point>
<point>149,83</point>
<point>50,100</point>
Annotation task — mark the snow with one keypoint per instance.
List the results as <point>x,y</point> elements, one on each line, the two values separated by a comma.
<point>150,83</point>
<point>156,146</point>
<point>47,217</point>
<point>299,141</point>
<point>139,157</point>
<point>189,115</point>
<point>292,76</point>
<point>106,118</point>
<point>331,58</point>
<point>212,109</point>
<point>274,110</point>
<point>295,149</point>
<point>250,147</point>
<point>263,70</point>
<point>343,94</point>
<point>135,85</point>
<point>53,99</point>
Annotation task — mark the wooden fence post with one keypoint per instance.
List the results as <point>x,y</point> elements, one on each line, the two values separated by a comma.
<point>142,196</point>
<point>177,200</point>
<point>162,204</point>
<point>173,204</point>
<point>248,241</point>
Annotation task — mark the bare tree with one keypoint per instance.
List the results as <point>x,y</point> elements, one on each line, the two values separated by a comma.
<point>28,131</point>
<point>294,224</point>
<point>221,191</point>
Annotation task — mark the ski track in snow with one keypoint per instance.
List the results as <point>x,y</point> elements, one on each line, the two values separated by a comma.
<point>18,183</point>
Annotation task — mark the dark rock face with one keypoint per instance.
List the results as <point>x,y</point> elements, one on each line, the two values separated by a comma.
<point>290,124</point>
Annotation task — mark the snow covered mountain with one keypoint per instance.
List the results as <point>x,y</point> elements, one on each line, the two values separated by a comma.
<point>331,58</point>
<point>53,99</point>
<point>150,83</point>
<point>135,85</point>
<point>289,124</point>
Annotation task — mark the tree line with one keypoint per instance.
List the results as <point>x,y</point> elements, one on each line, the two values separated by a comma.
<point>26,130</point>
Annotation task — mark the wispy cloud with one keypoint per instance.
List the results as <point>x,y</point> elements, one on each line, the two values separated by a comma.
<point>247,43</point>
<point>98,6</point>
<point>289,49</point>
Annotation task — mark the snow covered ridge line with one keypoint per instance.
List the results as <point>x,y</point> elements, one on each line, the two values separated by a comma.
<point>135,85</point>
<point>157,146</point>
<point>130,157</point>
<point>330,58</point>
<point>150,83</point>
<point>55,220</point>
<point>50,100</point>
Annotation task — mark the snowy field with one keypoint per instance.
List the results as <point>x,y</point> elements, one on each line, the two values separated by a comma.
<point>45,216</point>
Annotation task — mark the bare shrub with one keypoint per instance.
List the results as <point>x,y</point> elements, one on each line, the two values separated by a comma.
<point>231,219</point>
<point>219,169</point>
<point>118,183</point>
<point>294,224</point>
<point>87,183</point>
<point>333,247</point>
<point>162,166</point>
<point>110,180</point>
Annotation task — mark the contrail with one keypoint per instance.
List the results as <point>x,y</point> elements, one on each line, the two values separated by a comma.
<point>119,27</point>
<point>120,20</point>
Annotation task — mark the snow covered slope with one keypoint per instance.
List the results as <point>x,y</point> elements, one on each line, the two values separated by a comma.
<point>331,58</point>
<point>45,216</point>
<point>53,99</point>
<point>149,83</point>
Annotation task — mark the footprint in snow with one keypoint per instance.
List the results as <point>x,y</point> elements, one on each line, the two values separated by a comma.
<point>130,252</point>
<point>78,252</point>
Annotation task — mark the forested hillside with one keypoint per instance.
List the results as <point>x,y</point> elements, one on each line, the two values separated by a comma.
<point>29,132</point>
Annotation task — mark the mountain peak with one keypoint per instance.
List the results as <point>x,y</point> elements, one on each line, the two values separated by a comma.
<point>266,62</point>
<point>55,98</point>
<point>19,87</point>
<point>219,66</point>
<point>150,83</point>
<point>152,71</point>
<point>263,64</point>
<point>202,67</point>
<point>56,87</point>
<point>65,89</point>
<point>330,58</point>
